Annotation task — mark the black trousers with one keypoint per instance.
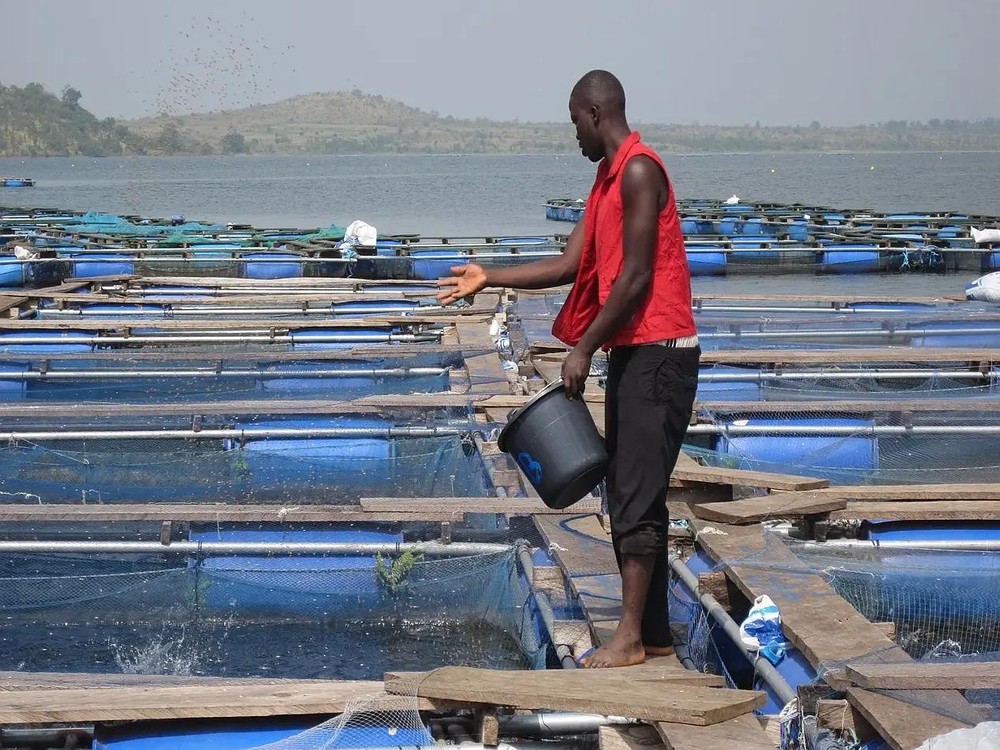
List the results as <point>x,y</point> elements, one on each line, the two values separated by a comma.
<point>649,396</point>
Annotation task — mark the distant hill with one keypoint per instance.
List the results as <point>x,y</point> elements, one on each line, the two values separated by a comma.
<point>353,122</point>
<point>34,122</point>
<point>349,122</point>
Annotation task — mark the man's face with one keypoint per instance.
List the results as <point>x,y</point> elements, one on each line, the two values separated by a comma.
<point>585,119</point>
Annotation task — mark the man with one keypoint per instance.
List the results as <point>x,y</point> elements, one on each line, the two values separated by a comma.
<point>631,295</point>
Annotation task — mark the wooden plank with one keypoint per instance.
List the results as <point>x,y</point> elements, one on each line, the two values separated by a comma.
<point>511,505</point>
<point>209,513</point>
<point>743,732</point>
<point>907,492</point>
<point>903,725</point>
<point>579,544</point>
<point>757,479</point>
<point>754,510</point>
<point>636,692</point>
<point>841,716</point>
<point>980,510</point>
<point>916,675</point>
<point>624,737</point>
<point>819,623</point>
<point>205,700</point>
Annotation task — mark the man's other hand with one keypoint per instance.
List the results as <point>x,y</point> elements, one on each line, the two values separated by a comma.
<point>575,369</point>
<point>465,281</point>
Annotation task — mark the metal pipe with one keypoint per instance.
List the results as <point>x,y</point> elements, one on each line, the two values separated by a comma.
<point>252,549</point>
<point>901,374</point>
<point>45,737</point>
<point>562,650</point>
<point>234,433</point>
<point>762,667</point>
<point>194,312</point>
<point>370,372</point>
<point>234,338</point>
<point>848,333</point>
<point>841,431</point>
<point>548,724</point>
<point>963,545</point>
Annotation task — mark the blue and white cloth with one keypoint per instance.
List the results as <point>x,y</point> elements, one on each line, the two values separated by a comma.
<point>761,630</point>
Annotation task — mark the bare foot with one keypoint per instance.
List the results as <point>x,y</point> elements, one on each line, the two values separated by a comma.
<point>659,650</point>
<point>614,655</point>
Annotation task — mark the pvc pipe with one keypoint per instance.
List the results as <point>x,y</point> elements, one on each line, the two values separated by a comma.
<point>234,338</point>
<point>252,549</point>
<point>902,374</point>
<point>964,545</point>
<point>849,333</point>
<point>563,651</point>
<point>553,723</point>
<point>174,311</point>
<point>233,433</point>
<point>840,431</point>
<point>762,667</point>
<point>371,372</point>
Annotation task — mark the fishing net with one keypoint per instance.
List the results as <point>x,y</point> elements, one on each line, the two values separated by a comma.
<point>294,471</point>
<point>871,447</point>
<point>342,617</point>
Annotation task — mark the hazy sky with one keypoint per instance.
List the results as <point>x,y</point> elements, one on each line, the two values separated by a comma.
<point>724,61</point>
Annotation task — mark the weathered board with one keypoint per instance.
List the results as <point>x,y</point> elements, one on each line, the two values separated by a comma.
<point>743,732</point>
<point>903,725</point>
<point>758,509</point>
<point>208,513</point>
<point>511,505</point>
<point>916,675</point>
<point>664,696</point>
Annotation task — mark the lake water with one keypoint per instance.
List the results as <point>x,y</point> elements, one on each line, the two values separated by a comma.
<point>503,194</point>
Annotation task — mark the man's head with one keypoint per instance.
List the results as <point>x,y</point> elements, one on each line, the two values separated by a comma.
<point>597,108</point>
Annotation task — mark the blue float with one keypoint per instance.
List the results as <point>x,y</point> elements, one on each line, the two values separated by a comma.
<point>435,264</point>
<point>968,333</point>
<point>729,390</point>
<point>75,342</point>
<point>807,454</point>
<point>272,266</point>
<point>243,734</point>
<point>706,260</point>
<point>11,273</point>
<point>850,258</point>
<point>88,265</point>
<point>296,585</point>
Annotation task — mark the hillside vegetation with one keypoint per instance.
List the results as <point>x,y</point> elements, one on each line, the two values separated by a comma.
<point>34,122</point>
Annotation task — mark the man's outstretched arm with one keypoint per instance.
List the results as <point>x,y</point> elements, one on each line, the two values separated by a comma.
<point>541,274</point>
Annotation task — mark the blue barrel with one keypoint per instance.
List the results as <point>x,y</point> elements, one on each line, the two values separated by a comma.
<point>803,454</point>
<point>273,456</point>
<point>890,306</point>
<point>243,734</point>
<point>11,273</point>
<point>13,387</point>
<point>990,261</point>
<point>689,225</point>
<point>798,230</point>
<point>967,334</point>
<point>293,585</point>
<point>304,339</point>
<point>272,266</point>
<point>706,260</point>
<point>76,342</point>
<point>435,264</point>
<point>102,264</point>
<point>364,307</point>
<point>729,390</point>
<point>730,225</point>
<point>850,258</point>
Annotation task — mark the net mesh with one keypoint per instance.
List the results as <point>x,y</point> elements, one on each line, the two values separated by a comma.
<point>350,617</point>
<point>874,447</point>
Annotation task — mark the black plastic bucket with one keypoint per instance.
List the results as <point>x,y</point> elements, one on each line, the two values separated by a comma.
<point>556,445</point>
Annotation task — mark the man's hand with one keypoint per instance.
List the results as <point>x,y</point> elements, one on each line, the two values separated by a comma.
<point>575,369</point>
<point>467,280</point>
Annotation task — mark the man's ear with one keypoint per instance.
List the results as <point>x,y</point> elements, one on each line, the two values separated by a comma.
<point>595,113</point>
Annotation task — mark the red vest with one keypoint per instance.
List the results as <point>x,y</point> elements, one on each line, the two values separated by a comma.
<point>666,311</point>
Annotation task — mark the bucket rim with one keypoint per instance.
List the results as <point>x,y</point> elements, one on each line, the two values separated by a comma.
<point>552,387</point>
